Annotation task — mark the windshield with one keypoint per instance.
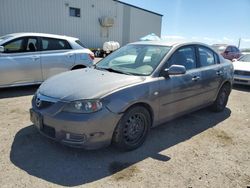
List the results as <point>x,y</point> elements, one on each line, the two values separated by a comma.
<point>135,59</point>
<point>5,37</point>
<point>219,48</point>
<point>245,58</point>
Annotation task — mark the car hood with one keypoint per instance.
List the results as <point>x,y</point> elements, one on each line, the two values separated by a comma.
<point>239,65</point>
<point>85,84</point>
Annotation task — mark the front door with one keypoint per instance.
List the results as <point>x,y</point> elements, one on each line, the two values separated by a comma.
<point>20,62</point>
<point>180,93</point>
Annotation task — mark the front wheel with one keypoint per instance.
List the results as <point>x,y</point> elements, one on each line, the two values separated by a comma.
<point>132,129</point>
<point>221,100</point>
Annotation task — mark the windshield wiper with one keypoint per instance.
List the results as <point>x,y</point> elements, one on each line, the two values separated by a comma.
<point>112,70</point>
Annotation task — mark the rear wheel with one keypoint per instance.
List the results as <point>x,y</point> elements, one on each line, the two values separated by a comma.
<point>221,100</point>
<point>78,67</point>
<point>132,129</point>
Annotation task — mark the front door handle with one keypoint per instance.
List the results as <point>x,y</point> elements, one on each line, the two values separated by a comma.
<point>219,73</point>
<point>195,78</point>
<point>35,58</point>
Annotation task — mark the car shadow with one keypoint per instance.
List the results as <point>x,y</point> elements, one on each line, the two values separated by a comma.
<point>17,91</point>
<point>66,166</point>
<point>241,87</point>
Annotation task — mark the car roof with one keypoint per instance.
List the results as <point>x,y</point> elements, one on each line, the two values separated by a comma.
<point>15,35</point>
<point>168,43</point>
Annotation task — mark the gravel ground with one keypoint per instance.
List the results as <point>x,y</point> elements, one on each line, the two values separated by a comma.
<point>202,149</point>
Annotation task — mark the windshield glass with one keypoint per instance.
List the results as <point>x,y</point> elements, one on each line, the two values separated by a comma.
<point>135,59</point>
<point>219,48</point>
<point>245,58</point>
<point>5,37</point>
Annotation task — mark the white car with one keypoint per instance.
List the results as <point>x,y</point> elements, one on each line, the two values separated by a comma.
<point>31,58</point>
<point>242,70</point>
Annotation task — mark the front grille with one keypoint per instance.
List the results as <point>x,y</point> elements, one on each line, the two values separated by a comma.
<point>45,104</point>
<point>49,131</point>
<point>40,102</point>
<point>243,81</point>
<point>243,73</point>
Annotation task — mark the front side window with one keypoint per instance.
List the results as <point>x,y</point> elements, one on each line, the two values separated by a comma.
<point>229,49</point>
<point>14,46</point>
<point>206,57</point>
<point>31,45</point>
<point>184,56</point>
<point>26,44</point>
<point>135,59</point>
<point>54,44</point>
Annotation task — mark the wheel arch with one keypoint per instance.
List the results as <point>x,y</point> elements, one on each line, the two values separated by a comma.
<point>146,106</point>
<point>75,67</point>
<point>227,84</point>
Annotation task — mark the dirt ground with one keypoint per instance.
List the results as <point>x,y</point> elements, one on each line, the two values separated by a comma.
<point>202,149</point>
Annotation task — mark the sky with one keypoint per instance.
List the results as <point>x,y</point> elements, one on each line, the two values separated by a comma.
<point>209,21</point>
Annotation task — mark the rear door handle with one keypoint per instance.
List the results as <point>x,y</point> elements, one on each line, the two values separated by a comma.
<point>70,55</point>
<point>195,78</point>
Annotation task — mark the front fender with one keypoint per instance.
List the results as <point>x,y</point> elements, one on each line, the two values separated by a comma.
<point>147,93</point>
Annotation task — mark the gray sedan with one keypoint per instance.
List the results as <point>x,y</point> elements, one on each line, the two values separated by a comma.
<point>31,58</point>
<point>138,87</point>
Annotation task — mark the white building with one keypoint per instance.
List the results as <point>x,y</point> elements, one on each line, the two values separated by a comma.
<point>93,21</point>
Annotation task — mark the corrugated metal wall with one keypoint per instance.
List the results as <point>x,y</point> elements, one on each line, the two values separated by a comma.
<point>52,16</point>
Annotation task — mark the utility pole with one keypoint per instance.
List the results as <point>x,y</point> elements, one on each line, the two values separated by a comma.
<point>239,42</point>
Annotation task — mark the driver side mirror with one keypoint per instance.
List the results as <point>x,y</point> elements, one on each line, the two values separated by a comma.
<point>1,49</point>
<point>174,70</point>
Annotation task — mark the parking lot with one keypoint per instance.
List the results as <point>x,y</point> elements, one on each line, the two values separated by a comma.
<point>202,149</point>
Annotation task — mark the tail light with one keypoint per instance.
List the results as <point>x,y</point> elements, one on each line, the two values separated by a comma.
<point>92,56</point>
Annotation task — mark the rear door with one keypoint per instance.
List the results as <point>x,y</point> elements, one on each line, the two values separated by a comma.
<point>180,93</point>
<point>211,73</point>
<point>56,56</point>
<point>20,62</point>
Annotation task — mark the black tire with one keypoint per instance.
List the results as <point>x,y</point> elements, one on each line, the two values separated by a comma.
<point>132,129</point>
<point>221,100</point>
<point>78,67</point>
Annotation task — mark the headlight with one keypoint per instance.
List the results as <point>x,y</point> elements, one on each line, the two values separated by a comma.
<point>83,106</point>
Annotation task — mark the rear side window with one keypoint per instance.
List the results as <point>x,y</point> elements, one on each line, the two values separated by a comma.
<point>54,44</point>
<point>184,56</point>
<point>80,43</point>
<point>206,57</point>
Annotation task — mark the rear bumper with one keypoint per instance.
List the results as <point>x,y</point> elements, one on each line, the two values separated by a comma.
<point>88,131</point>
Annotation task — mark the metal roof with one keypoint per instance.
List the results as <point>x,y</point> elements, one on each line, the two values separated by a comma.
<point>23,34</point>
<point>138,8</point>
